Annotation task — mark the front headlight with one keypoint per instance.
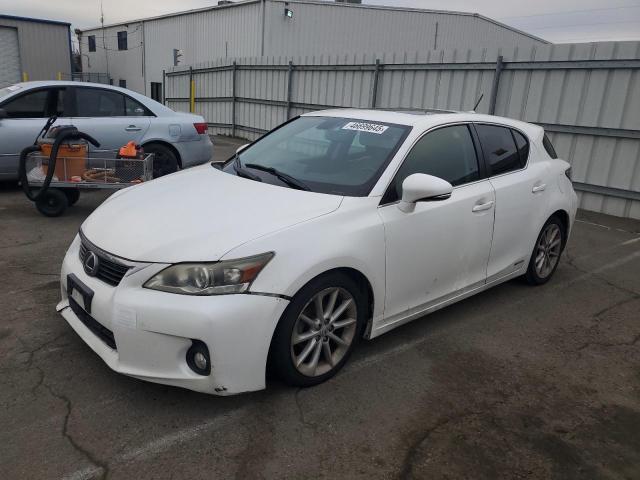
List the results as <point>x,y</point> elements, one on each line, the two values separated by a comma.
<point>219,278</point>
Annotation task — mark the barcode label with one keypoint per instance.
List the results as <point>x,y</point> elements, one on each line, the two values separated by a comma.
<point>366,127</point>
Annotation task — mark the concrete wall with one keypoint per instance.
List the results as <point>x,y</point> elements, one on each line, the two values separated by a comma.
<point>45,48</point>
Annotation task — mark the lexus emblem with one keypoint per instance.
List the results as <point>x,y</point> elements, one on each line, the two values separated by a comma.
<point>91,263</point>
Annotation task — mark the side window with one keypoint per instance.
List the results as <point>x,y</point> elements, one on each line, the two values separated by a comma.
<point>499,148</point>
<point>522,144</point>
<point>135,109</point>
<point>29,105</point>
<point>548,146</point>
<point>447,153</point>
<point>92,43</point>
<point>95,102</point>
<point>58,101</point>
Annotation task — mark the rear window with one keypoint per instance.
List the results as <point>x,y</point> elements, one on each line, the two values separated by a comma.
<point>523,146</point>
<point>548,146</point>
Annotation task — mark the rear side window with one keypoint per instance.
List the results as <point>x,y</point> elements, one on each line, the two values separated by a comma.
<point>447,153</point>
<point>95,102</point>
<point>548,146</point>
<point>499,149</point>
<point>523,146</point>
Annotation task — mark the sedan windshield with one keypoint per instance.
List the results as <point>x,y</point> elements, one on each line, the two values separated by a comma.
<point>340,156</point>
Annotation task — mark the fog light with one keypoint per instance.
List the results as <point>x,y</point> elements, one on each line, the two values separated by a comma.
<point>198,358</point>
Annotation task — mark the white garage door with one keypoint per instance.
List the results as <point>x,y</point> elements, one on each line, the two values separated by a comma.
<point>9,56</point>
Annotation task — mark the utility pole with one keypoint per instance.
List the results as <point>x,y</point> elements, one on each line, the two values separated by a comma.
<point>104,42</point>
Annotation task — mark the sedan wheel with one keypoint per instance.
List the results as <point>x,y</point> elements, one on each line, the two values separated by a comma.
<point>546,253</point>
<point>319,330</point>
<point>324,331</point>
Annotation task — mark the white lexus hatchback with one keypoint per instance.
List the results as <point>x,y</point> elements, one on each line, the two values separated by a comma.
<point>337,225</point>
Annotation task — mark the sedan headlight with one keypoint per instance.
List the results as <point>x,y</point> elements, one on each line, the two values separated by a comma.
<point>219,278</point>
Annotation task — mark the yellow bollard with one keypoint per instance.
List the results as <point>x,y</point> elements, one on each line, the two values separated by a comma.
<point>59,76</point>
<point>25,77</point>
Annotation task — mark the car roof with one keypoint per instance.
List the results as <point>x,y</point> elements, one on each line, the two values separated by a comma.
<point>426,119</point>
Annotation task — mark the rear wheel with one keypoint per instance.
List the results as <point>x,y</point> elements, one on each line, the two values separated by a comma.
<point>53,203</point>
<point>546,253</point>
<point>165,160</point>
<point>319,330</point>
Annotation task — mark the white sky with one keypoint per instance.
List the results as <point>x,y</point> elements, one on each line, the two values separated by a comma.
<point>555,20</point>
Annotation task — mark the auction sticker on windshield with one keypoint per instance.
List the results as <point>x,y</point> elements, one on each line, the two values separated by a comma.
<point>366,127</point>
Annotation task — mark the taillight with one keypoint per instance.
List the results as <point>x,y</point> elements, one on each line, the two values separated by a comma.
<point>201,128</point>
<point>567,172</point>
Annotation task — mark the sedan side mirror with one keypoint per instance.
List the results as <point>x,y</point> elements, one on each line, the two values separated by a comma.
<point>242,147</point>
<point>3,113</point>
<point>421,187</point>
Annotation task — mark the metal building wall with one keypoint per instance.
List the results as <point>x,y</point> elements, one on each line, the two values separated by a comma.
<point>45,47</point>
<point>326,27</point>
<point>587,96</point>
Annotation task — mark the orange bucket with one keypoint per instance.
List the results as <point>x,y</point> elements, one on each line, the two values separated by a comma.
<point>71,161</point>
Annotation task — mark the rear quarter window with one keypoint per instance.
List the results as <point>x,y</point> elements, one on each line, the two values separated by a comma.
<point>548,146</point>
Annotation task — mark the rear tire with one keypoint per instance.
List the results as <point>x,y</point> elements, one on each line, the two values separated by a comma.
<point>310,347</point>
<point>165,160</point>
<point>546,252</point>
<point>53,203</point>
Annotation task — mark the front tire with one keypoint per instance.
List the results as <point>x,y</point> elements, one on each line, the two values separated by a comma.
<point>318,330</point>
<point>546,253</point>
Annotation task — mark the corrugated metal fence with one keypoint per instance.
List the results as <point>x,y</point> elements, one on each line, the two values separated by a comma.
<point>587,96</point>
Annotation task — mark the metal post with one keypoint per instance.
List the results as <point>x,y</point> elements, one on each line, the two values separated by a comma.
<point>192,91</point>
<point>496,83</point>
<point>233,99</point>
<point>164,83</point>
<point>374,89</point>
<point>289,82</point>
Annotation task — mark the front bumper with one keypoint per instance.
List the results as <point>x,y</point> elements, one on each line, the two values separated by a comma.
<point>153,330</point>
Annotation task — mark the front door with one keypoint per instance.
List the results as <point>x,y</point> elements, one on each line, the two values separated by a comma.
<point>440,249</point>
<point>26,115</point>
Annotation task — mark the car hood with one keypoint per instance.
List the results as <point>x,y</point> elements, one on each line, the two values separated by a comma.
<point>197,215</point>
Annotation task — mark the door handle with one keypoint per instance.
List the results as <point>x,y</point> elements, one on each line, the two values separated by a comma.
<point>479,207</point>
<point>539,188</point>
<point>133,128</point>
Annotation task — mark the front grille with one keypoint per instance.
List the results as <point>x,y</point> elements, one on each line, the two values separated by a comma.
<point>109,272</point>
<point>99,330</point>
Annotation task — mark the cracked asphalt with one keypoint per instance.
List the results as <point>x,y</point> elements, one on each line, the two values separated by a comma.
<point>515,382</point>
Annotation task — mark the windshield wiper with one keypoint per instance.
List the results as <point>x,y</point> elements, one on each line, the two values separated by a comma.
<point>241,172</point>
<point>288,179</point>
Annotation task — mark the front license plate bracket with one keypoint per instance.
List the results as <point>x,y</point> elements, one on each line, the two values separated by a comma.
<point>74,282</point>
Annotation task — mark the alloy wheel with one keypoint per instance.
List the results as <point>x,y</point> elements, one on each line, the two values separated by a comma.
<point>324,331</point>
<point>548,250</point>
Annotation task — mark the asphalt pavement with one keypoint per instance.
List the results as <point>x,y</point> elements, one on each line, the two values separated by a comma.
<point>516,382</point>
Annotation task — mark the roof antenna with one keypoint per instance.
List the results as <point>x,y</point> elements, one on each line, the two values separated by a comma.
<point>478,102</point>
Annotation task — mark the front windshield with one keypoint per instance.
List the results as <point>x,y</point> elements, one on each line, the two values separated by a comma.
<point>333,155</point>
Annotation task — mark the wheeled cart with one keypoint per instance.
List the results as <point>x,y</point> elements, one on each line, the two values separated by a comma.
<point>101,170</point>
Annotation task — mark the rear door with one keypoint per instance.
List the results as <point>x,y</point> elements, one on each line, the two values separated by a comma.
<point>521,197</point>
<point>27,114</point>
<point>109,116</point>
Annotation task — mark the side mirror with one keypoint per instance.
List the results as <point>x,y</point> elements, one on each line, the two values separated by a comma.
<point>242,147</point>
<point>3,113</point>
<point>421,187</point>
